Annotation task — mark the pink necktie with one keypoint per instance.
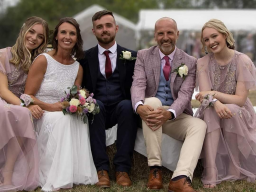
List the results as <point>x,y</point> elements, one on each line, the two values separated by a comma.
<point>167,68</point>
<point>108,68</point>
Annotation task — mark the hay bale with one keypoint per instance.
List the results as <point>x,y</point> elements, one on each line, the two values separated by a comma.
<point>252,97</point>
<point>195,103</point>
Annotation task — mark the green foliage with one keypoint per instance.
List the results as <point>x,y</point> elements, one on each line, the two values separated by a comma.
<point>242,4</point>
<point>53,10</point>
<point>73,90</point>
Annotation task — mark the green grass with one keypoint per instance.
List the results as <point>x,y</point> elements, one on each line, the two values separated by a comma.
<point>139,176</point>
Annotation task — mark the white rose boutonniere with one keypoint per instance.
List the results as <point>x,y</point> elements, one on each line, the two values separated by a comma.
<point>127,55</point>
<point>182,70</point>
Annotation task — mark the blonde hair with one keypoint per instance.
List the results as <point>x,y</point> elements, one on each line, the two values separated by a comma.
<point>21,56</point>
<point>221,28</point>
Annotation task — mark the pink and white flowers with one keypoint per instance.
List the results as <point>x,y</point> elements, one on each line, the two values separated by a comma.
<point>79,102</point>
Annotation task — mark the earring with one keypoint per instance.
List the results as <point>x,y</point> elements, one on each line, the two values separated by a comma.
<point>205,50</point>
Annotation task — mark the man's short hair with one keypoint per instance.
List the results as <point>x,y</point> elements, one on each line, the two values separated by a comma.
<point>100,14</point>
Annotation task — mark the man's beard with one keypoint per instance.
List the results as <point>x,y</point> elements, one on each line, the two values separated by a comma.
<point>106,41</point>
<point>167,49</point>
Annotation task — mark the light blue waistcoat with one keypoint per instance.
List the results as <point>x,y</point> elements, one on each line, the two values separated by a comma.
<point>164,93</point>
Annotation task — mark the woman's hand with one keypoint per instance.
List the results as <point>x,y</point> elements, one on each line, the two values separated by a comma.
<point>222,110</point>
<point>56,106</point>
<point>36,111</point>
<point>200,96</point>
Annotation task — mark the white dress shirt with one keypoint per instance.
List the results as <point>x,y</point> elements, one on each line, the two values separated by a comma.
<point>102,58</point>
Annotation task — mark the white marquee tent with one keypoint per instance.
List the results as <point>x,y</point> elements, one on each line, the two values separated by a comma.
<point>194,19</point>
<point>127,29</point>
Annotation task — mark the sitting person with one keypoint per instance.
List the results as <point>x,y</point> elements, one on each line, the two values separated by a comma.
<point>109,77</point>
<point>18,149</point>
<point>63,140</point>
<point>163,101</point>
<point>225,77</point>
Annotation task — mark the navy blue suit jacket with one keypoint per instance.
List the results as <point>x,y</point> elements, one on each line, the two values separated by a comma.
<point>91,69</point>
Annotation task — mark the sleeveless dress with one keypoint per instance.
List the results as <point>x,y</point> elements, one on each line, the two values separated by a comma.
<point>229,151</point>
<point>63,141</point>
<point>16,122</point>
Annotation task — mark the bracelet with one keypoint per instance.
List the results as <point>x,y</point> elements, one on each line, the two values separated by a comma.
<point>26,100</point>
<point>213,102</point>
<point>215,94</point>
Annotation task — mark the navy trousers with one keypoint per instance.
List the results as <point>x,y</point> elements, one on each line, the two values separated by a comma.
<point>123,115</point>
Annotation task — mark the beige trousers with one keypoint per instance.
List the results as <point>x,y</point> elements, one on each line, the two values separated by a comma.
<point>185,128</point>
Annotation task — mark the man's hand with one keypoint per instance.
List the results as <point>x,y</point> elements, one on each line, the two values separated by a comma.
<point>158,117</point>
<point>144,111</point>
<point>153,118</point>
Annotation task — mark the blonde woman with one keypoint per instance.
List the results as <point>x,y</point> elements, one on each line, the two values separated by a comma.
<point>225,77</point>
<point>18,149</point>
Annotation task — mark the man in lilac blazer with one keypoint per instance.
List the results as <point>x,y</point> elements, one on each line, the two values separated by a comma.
<point>161,93</point>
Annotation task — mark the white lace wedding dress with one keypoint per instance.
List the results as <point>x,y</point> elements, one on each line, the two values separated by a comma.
<point>63,140</point>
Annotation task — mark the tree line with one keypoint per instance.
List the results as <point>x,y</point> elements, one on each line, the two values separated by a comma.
<point>52,10</point>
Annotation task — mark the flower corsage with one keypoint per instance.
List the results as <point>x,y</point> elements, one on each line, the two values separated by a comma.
<point>26,100</point>
<point>182,70</point>
<point>127,55</point>
<point>208,101</point>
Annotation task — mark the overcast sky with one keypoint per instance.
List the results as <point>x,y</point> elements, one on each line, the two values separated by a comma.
<point>7,3</point>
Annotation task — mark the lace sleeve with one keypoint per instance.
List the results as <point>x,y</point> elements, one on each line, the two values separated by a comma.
<point>246,72</point>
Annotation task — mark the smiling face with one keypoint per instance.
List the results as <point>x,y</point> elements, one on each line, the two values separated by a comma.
<point>105,30</point>
<point>166,35</point>
<point>66,36</point>
<point>34,37</point>
<point>214,41</point>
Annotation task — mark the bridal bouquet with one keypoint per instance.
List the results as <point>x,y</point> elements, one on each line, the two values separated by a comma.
<point>79,102</point>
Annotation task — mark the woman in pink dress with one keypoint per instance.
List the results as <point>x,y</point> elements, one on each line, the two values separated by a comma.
<point>18,149</point>
<point>225,77</point>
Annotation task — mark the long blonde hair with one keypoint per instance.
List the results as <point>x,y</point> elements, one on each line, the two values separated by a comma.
<point>221,28</point>
<point>21,56</point>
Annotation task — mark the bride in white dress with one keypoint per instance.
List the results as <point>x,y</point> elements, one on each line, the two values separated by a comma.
<point>63,141</point>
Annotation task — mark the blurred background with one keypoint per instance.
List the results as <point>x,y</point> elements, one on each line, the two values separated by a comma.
<point>136,19</point>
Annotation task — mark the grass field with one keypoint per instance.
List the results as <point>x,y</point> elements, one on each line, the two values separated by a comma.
<point>140,171</point>
<point>139,176</point>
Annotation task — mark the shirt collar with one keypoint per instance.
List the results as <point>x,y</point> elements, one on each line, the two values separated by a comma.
<point>111,49</point>
<point>170,55</point>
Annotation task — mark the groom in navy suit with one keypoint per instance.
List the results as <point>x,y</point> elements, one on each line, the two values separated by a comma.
<point>109,77</point>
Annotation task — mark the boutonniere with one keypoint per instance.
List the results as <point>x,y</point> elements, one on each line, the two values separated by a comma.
<point>127,55</point>
<point>182,70</point>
